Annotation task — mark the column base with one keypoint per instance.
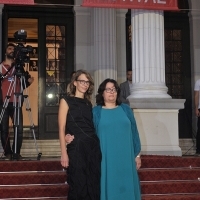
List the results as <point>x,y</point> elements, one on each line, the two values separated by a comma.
<point>157,123</point>
<point>149,91</point>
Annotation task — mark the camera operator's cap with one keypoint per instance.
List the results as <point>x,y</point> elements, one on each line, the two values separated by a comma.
<point>20,35</point>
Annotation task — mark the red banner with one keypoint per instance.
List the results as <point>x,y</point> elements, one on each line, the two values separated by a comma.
<point>133,4</point>
<point>24,2</point>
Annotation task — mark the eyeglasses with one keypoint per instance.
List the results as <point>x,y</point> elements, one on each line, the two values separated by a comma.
<point>82,82</point>
<point>111,90</point>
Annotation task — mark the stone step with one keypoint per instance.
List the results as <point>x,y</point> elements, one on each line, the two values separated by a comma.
<point>51,148</point>
<point>48,148</point>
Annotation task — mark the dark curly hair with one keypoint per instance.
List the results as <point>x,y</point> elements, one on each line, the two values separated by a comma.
<point>102,87</point>
<point>10,45</point>
<point>89,92</point>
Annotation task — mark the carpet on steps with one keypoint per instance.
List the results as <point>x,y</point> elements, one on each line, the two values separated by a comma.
<point>32,178</point>
<point>26,165</point>
<point>164,175</point>
<point>28,191</point>
<point>172,197</point>
<point>151,161</point>
<point>169,174</point>
<point>158,175</point>
<point>38,198</point>
<point>166,187</point>
<point>53,177</point>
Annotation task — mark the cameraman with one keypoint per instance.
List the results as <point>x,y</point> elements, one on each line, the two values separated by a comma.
<point>8,69</point>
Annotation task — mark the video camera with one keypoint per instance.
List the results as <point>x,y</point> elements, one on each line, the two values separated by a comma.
<point>20,55</point>
<point>21,51</point>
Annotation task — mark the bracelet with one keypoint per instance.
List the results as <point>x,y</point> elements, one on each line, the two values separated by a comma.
<point>138,156</point>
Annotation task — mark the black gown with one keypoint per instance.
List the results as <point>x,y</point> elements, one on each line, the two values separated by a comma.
<point>83,173</point>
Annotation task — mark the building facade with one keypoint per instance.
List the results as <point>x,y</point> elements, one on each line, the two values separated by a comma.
<point>164,57</point>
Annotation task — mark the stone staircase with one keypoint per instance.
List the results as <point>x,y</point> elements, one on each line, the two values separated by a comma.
<point>51,148</point>
<point>161,177</point>
<point>170,178</point>
<point>31,179</point>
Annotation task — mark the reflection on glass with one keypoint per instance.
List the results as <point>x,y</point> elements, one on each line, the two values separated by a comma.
<point>55,64</point>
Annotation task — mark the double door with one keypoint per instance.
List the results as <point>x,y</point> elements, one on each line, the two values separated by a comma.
<point>50,31</point>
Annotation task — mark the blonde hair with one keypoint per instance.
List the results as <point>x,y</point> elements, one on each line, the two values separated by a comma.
<point>72,87</point>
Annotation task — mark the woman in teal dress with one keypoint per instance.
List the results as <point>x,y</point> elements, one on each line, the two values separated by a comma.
<point>120,144</point>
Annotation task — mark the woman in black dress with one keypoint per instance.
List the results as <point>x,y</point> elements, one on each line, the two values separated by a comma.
<point>83,156</point>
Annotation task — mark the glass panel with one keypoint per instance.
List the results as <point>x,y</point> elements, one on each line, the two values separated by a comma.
<point>177,56</point>
<point>173,59</point>
<point>62,65</point>
<point>177,35</point>
<point>177,46</point>
<point>168,67</point>
<point>168,56</point>
<point>31,26</point>
<point>55,64</point>
<point>177,79</point>
<point>168,34</point>
<point>168,79</point>
<point>177,68</point>
<point>61,53</point>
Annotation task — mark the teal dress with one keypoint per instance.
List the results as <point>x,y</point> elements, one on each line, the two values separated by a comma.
<point>119,141</point>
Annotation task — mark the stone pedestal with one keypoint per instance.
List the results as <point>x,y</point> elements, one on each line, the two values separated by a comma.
<point>157,122</point>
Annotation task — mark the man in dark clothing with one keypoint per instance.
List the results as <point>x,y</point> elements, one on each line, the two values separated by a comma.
<point>125,87</point>
<point>11,92</point>
<point>197,112</point>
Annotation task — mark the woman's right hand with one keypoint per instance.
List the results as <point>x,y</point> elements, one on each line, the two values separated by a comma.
<point>64,160</point>
<point>197,112</point>
<point>69,138</point>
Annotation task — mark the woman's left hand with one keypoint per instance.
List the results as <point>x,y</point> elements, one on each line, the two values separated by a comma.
<point>138,162</point>
<point>69,138</point>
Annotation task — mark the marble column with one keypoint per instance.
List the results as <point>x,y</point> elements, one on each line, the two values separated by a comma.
<point>155,111</point>
<point>121,45</point>
<point>148,56</point>
<point>104,51</point>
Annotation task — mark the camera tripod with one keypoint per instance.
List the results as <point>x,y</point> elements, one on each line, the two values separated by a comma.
<point>19,96</point>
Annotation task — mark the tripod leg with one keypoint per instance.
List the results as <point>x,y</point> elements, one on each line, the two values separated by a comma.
<point>32,126</point>
<point>7,99</point>
<point>17,120</point>
<point>5,139</point>
<point>4,120</point>
<point>18,131</point>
